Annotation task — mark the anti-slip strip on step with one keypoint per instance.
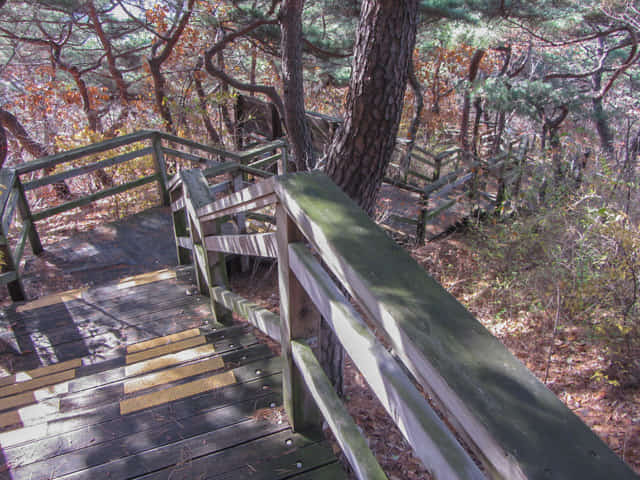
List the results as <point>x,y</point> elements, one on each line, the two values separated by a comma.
<point>40,372</point>
<point>160,341</point>
<point>176,393</point>
<point>171,375</point>
<point>165,349</point>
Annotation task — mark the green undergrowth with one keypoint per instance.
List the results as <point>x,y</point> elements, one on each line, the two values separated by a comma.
<point>572,264</point>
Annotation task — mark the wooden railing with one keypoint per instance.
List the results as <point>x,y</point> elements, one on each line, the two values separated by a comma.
<point>515,427</point>
<point>445,179</point>
<point>158,146</point>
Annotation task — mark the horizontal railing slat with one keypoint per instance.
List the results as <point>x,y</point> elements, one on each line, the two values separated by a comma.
<point>257,244</point>
<point>187,156</point>
<point>254,196</point>
<point>261,318</point>
<point>58,158</point>
<point>353,445</point>
<point>205,148</point>
<point>518,426</point>
<point>92,198</point>
<point>430,438</point>
<point>74,172</point>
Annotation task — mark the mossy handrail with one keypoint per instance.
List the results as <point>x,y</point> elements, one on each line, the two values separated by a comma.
<point>515,426</point>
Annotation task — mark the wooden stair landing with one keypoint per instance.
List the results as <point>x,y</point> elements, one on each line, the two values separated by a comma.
<point>121,401</point>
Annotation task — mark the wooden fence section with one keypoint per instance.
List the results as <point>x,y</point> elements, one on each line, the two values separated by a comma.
<point>448,178</point>
<point>167,152</point>
<point>515,426</point>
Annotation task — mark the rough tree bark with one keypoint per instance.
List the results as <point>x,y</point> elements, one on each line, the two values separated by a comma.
<point>474,65</point>
<point>298,132</point>
<point>362,147</point>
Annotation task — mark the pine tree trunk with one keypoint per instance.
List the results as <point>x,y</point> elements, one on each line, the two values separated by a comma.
<point>362,147</point>
<point>298,132</point>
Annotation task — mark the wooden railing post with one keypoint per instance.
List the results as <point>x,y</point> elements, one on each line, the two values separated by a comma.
<point>299,320</point>
<point>158,158</point>
<point>240,218</point>
<point>210,267</point>
<point>282,162</point>
<point>25,215</point>
<point>9,269</point>
<point>180,223</point>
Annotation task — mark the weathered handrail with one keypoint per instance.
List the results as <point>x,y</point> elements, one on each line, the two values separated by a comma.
<point>14,190</point>
<point>516,427</point>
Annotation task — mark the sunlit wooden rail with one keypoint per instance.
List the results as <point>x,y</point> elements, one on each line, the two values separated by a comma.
<point>481,394</point>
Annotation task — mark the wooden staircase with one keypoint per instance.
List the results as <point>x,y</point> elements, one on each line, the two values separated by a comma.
<point>117,400</point>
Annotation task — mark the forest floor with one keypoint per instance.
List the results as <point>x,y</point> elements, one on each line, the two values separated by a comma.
<point>567,361</point>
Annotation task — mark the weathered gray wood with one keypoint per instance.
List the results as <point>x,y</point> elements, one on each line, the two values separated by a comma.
<point>58,158</point>
<point>266,162</point>
<point>399,218</point>
<point>403,185</point>
<point>74,172</point>
<point>441,182</point>
<point>354,446</point>
<point>199,146</point>
<point>521,428</point>
<point>256,196</point>
<point>8,277</point>
<point>299,319</point>
<point>452,186</point>
<point>220,187</point>
<point>247,155</point>
<point>22,241</point>
<point>261,318</point>
<point>184,242</point>
<point>221,169</point>
<point>257,244</point>
<point>429,214</point>
<point>256,172</point>
<point>7,181</point>
<point>25,214</point>
<point>261,217</point>
<point>430,438</point>
<point>92,198</point>
<point>189,156</point>
<point>161,169</point>
<point>178,204</point>
<point>10,209</point>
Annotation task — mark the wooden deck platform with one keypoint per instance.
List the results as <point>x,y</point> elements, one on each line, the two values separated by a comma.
<point>129,380</point>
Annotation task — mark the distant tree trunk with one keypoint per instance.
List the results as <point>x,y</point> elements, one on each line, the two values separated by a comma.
<point>4,145</point>
<point>214,136</point>
<point>418,106</point>
<point>474,65</point>
<point>362,147</point>
<point>298,131</point>
<point>11,123</point>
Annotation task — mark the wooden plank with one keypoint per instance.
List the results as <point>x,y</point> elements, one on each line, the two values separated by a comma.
<point>8,277</point>
<point>37,383</point>
<point>10,209</point>
<point>398,218</point>
<point>246,155</point>
<point>74,172</point>
<point>184,242</point>
<point>42,214</point>
<point>256,172</point>
<point>165,349</point>
<point>189,156</point>
<point>246,199</point>
<point>171,394</point>
<point>229,167</point>
<point>299,319</point>
<point>199,146</point>
<point>40,372</point>
<point>430,438</point>
<point>403,185</point>
<point>261,217</point>
<point>429,214</point>
<point>269,161</point>
<point>261,318</point>
<point>257,244</point>
<point>58,158</point>
<point>220,187</point>
<point>353,445</point>
<point>452,186</point>
<point>22,241</point>
<point>332,471</point>
<point>157,342</point>
<point>107,438</point>
<point>522,429</point>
